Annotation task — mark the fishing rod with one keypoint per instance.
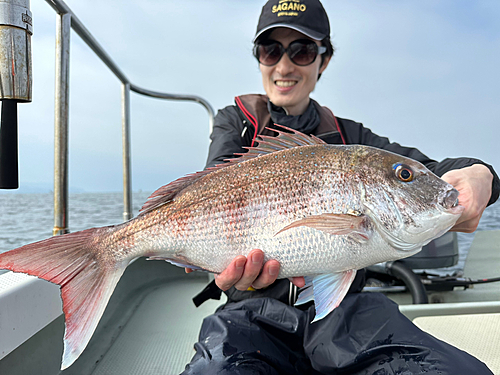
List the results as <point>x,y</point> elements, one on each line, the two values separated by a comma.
<point>398,277</point>
<point>444,283</point>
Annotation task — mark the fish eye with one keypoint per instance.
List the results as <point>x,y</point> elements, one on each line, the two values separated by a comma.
<point>404,172</point>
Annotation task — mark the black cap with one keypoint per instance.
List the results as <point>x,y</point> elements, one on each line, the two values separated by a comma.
<point>306,16</point>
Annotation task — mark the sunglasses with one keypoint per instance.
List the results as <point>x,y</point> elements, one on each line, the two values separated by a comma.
<point>301,52</point>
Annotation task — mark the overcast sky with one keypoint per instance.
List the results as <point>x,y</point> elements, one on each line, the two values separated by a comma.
<point>423,73</point>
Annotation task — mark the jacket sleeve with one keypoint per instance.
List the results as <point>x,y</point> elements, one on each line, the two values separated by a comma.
<point>226,137</point>
<point>356,133</point>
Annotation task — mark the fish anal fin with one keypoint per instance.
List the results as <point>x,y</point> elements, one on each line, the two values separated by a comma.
<point>179,263</point>
<point>337,224</point>
<point>329,291</point>
<point>307,293</point>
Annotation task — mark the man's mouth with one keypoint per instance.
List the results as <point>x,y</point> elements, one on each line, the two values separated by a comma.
<point>285,83</point>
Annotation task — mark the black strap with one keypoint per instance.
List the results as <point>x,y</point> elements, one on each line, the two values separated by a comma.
<point>211,291</point>
<point>282,290</point>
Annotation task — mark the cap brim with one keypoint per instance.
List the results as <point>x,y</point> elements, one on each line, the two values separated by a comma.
<point>304,30</point>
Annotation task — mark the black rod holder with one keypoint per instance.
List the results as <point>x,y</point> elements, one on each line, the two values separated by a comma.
<point>9,171</point>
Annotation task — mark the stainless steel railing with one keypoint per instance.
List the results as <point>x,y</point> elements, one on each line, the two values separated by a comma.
<point>65,21</point>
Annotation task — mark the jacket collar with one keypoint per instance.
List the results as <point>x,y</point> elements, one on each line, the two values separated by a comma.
<point>254,108</point>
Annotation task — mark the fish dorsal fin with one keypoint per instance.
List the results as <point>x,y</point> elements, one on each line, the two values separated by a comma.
<point>283,141</point>
<point>266,145</point>
<point>167,192</point>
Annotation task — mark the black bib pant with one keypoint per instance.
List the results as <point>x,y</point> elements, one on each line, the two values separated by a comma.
<point>365,335</point>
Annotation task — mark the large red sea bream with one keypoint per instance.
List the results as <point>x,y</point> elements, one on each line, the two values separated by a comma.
<point>323,211</point>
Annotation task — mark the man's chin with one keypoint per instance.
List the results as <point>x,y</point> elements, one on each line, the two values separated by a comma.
<point>283,100</point>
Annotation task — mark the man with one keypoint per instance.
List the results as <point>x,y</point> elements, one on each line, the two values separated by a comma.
<point>259,330</point>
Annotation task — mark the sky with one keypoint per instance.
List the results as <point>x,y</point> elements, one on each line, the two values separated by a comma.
<point>423,73</point>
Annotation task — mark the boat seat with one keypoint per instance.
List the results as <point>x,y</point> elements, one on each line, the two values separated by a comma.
<point>479,334</point>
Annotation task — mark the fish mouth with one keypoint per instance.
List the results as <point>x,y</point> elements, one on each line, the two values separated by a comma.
<point>450,202</point>
<point>450,199</point>
<point>407,241</point>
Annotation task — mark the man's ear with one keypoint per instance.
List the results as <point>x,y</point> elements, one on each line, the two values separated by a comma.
<point>324,64</point>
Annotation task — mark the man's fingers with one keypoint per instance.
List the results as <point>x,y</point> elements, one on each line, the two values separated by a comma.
<point>268,275</point>
<point>227,278</point>
<point>299,282</point>
<point>243,272</point>
<point>252,270</point>
<point>468,226</point>
<point>474,185</point>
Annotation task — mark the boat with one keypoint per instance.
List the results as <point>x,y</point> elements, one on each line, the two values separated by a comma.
<point>151,323</point>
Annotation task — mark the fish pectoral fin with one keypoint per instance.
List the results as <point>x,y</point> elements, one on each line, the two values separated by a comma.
<point>327,291</point>
<point>351,224</point>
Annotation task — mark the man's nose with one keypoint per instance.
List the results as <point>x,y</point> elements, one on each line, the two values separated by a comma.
<point>285,65</point>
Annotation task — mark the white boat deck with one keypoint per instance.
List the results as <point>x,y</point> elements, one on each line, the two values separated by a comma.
<point>476,334</point>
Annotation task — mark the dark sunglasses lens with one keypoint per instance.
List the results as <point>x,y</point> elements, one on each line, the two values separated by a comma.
<point>269,54</point>
<point>303,53</point>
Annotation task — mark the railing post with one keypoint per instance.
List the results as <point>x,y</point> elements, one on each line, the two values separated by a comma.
<point>61,125</point>
<point>127,184</point>
<point>66,20</point>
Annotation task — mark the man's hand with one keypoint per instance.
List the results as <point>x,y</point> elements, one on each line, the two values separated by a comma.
<point>251,271</point>
<point>474,185</point>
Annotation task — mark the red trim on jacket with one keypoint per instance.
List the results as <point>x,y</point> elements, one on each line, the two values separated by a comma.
<point>338,127</point>
<point>324,113</point>
<point>252,119</point>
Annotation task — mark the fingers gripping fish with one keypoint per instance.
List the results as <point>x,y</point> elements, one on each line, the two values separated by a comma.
<point>323,211</point>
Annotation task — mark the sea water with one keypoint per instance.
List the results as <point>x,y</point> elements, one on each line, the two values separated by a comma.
<point>25,218</point>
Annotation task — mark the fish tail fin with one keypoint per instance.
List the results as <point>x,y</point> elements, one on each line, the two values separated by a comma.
<point>87,279</point>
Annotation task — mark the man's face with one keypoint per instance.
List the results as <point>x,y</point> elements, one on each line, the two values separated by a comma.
<point>288,85</point>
